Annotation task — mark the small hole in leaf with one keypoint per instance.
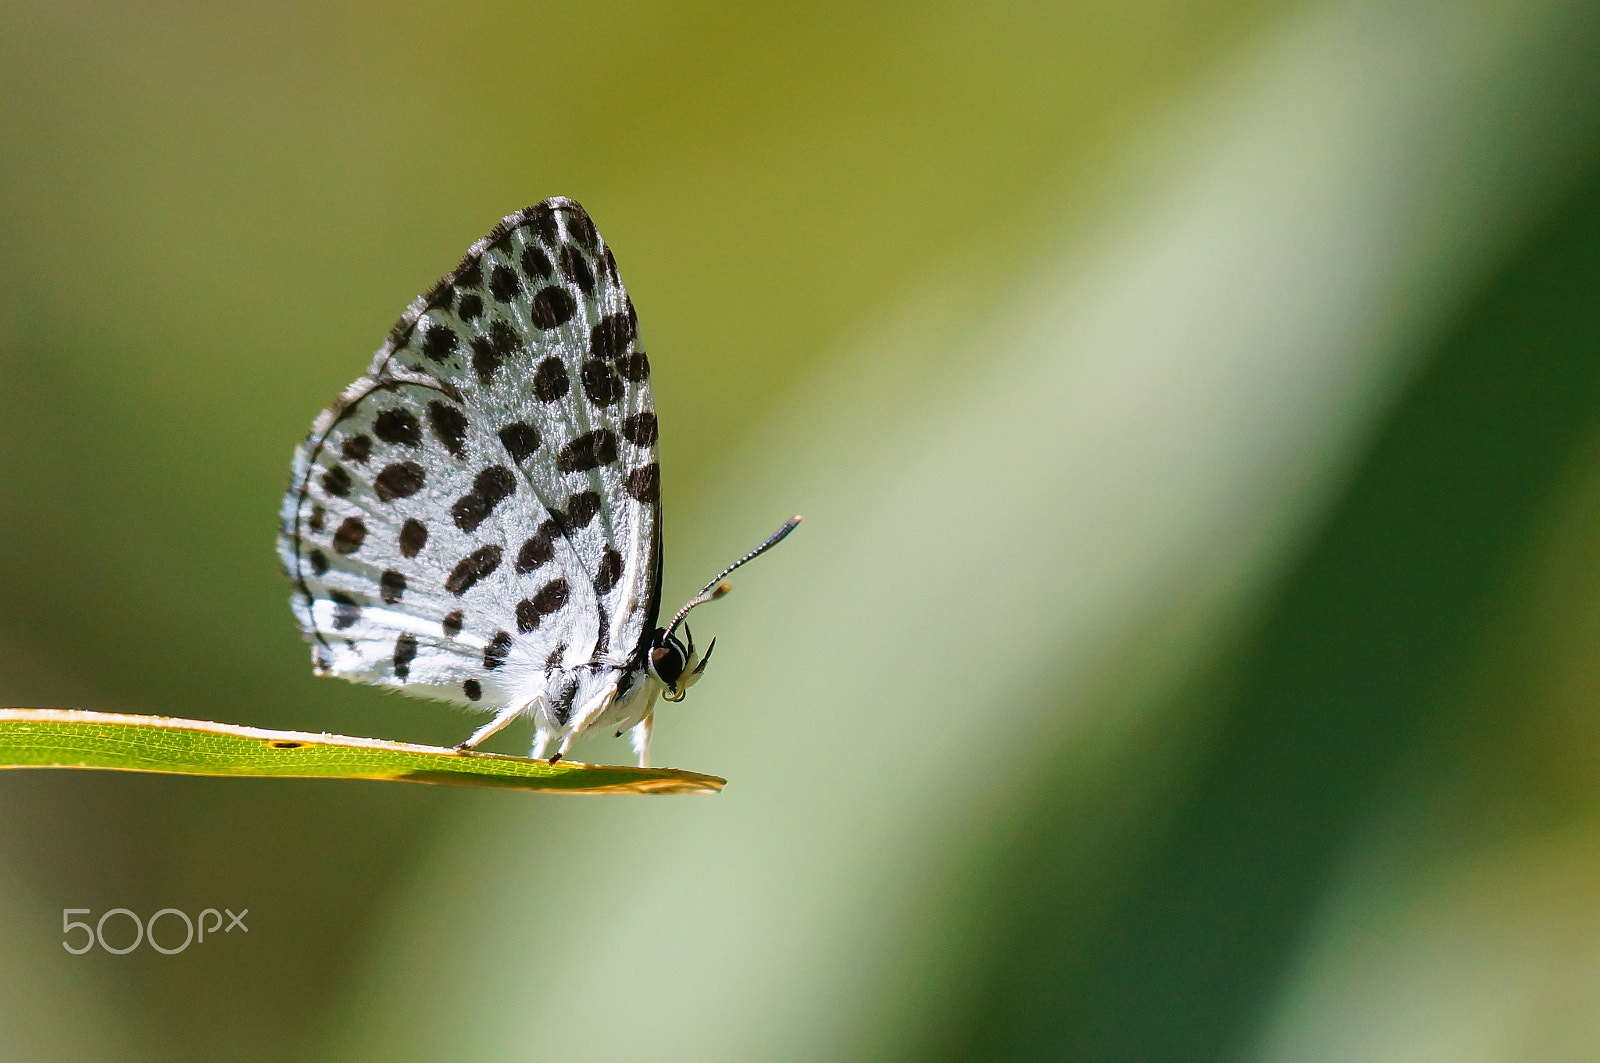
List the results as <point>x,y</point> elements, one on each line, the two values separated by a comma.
<point>287,745</point>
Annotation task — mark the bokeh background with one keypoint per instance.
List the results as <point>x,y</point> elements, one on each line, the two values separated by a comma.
<point>1192,651</point>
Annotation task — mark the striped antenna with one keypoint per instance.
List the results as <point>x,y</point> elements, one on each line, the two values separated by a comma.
<point>716,588</point>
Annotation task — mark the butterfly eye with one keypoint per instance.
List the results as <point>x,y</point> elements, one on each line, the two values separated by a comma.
<point>667,662</point>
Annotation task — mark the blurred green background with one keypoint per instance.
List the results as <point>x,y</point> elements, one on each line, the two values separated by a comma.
<point>1192,651</point>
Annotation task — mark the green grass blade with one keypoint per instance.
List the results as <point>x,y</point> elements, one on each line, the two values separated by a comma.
<point>76,738</point>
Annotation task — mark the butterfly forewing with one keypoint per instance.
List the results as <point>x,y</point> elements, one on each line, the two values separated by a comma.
<point>481,508</point>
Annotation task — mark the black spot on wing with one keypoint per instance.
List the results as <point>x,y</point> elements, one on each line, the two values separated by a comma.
<point>535,263</point>
<point>499,648</point>
<point>578,511</point>
<point>588,451</point>
<point>550,380</point>
<point>356,449</point>
<point>600,383</point>
<point>549,599</point>
<point>581,228</point>
<point>336,481</point>
<point>552,307</point>
<point>345,610</point>
<point>635,366</point>
<point>319,562</point>
<point>540,548</point>
<point>349,536</point>
<point>472,689</point>
<point>610,571</point>
<point>318,519</point>
<point>405,651</point>
<point>391,585</point>
<point>576,270</point>
<point>491,487</point>
<point>490,350</point>
<point>399,480</point>
<point>543,220</point>
<point>440,342</point>
<point>644,483</point>
<point>449,426</point>
<point>397,426</point>
<point>485,359</point>
<point>610,336</point>
<point>413,537</point>
<point>640,429</point>
<point>472,568</point>
<point>504,284</point>
<point>520,440</point>
<point>452,623</point>
<point>470,308</point>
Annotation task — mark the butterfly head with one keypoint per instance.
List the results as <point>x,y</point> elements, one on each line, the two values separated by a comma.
<point>677,665</point>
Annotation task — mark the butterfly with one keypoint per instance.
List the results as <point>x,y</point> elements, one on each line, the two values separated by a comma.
<point>477,519</point>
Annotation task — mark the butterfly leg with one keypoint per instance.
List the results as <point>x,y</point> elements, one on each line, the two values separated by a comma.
<point>494,726</point>
<point>541,742</point>
<point>566,744</point>
<point>639,736</point>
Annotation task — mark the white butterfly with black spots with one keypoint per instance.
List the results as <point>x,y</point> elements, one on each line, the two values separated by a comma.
<point>478,518</point>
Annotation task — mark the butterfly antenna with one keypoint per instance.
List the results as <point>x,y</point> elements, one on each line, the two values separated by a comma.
<point>716,588</point>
